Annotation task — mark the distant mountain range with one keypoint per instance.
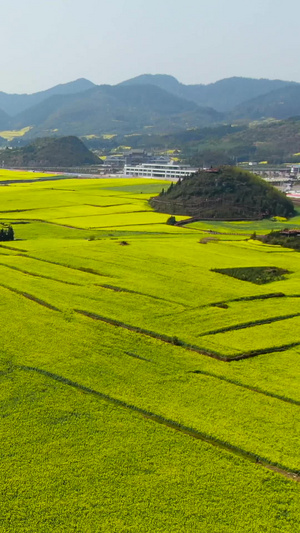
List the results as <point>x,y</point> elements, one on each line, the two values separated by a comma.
<point>224,95</point>
<point>146,104</point>
<point>13,104</point>
<point>114,109</point>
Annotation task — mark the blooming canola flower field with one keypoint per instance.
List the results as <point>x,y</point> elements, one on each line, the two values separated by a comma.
<point>141,391</point>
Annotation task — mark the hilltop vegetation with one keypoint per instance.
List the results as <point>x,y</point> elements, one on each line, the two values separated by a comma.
<point>56,152</point>
<point>226,193</point>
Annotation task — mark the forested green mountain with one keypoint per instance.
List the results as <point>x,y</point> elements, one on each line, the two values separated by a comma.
<point>114,109</point>
<point>4,120</point>
<point>226,193</point>
<point>50,152</point>
<point>223,95</point>
<point>281,103</point>
<point>150,105</point>
<point>13,104</point>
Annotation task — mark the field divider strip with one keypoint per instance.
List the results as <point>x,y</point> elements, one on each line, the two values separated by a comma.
<point>262,351</point>
<point>79,269</point>
<point>12,248</point>
<point>129,291</point>
<point>247,299</point>
<point>106,214</point>
<point>222,303</point>
<point>250,324</point>
<point>200,435</point>
<point>164,338</point>
<point>245,386</point>
<point>39,275</point>
<point>30,297</point>
<point>177,342</point>
<point>29,220</point>
<point>135,356</point>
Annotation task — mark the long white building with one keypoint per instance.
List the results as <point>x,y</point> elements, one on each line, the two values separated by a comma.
<point>158,170</point>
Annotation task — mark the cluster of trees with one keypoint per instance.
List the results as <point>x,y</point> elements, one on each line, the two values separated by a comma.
<point>287,241</point>
<point>6,233</point>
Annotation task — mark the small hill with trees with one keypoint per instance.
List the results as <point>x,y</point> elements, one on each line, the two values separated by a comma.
<point>50,152</point>
<point>227,193</point>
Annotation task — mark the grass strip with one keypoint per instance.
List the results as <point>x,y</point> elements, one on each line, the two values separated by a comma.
<point>210,439</point>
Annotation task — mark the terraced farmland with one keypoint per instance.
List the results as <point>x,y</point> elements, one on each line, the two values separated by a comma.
<point>140,390</point>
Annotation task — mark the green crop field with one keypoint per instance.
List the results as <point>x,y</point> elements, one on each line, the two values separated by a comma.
<point>140,390</point>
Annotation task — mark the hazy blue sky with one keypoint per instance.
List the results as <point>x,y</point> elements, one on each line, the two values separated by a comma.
<point>46,42</point>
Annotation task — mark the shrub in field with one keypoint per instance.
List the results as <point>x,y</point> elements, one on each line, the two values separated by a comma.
<point>6,233</point>
<point>171,221</point>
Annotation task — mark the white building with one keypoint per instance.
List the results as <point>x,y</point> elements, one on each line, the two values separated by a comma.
<point>158,170</point>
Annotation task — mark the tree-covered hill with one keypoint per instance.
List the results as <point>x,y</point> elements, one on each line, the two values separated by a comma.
<point>47,152</point>
<point>225,193</point>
